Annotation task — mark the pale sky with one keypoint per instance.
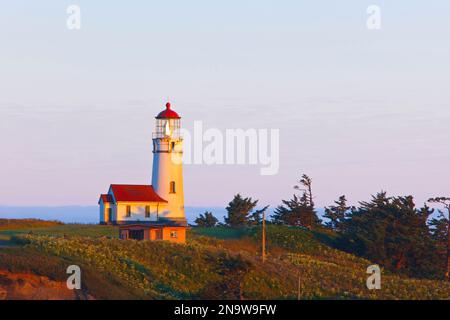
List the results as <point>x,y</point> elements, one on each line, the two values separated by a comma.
<point>358,110</point>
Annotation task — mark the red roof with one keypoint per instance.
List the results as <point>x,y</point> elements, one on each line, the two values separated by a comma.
<point>106,198</point>
<point>168,113</point>
<point>138,193</point>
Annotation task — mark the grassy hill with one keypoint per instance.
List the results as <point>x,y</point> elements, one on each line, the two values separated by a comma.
<point>203,268</point>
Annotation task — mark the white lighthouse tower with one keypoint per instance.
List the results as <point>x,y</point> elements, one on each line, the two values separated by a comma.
<point>167,178</point>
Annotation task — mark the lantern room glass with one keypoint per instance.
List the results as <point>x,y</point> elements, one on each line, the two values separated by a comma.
<point>167,128</point>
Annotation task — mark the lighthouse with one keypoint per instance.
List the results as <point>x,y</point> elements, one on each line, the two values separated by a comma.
<point>167,178</point>
<point>156,211</point>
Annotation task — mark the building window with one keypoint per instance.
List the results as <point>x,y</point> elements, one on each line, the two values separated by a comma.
<point>128,211</point>
<point>173,234</point>
<point>172,187</point>
<point>147,211</point>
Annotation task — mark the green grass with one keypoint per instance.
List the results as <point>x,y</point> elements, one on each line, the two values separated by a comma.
<point>13,224</point>
<point>222,232</point>
<point>81,230</point>
<point>293,239</point>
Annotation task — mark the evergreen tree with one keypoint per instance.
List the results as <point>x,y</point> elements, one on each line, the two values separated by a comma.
<point>256,216</point>
<point>337,214</point>
<point>289,213</point>
<point>408,238</point>
<point>365,229</point>
<point>424,260</point>
<point>240,212</point>
<point>439,233</point>
<point>392,232</point>
<point>296,212</point>
<point>305,185</point>
<point>206,220</point>
<point>439,229</point>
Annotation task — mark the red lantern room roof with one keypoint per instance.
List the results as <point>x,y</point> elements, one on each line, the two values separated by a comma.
<point>168,113</point>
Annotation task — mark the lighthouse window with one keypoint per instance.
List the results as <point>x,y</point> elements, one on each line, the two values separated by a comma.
<point>172,187</point>
<point>128,211</point>
<point>147,211</point>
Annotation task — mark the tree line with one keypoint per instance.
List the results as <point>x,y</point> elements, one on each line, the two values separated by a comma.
<point>391,231</point>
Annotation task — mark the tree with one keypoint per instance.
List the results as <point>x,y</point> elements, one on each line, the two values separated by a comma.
<point>364,230</point>
<point>298,211</point>
<point>206,220</point>
<point>240,212</point>
<point>409,243</point>
<point>256,216</point>
<point>289,213</point>
<point>337,214</point>
<point>305,185</point>
<point>391,231</point>
<point>439,229</point>
<point>439,232</point>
